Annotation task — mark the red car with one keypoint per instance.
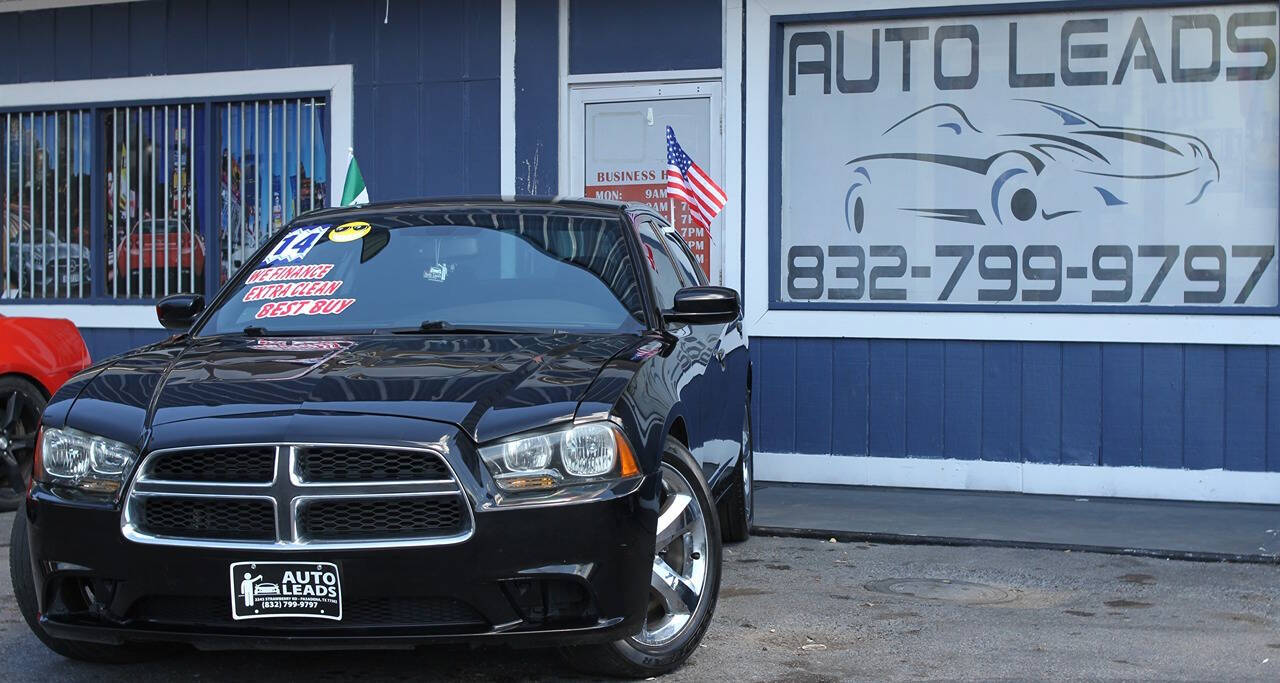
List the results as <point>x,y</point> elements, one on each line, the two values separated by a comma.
<point>36,356</point>
<point>160,245</point>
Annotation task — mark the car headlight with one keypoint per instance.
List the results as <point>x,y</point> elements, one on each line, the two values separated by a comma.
<point>583,454</point>
<point>78,460</point>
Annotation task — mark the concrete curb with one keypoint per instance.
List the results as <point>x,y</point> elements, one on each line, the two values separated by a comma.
<point>910,539</point>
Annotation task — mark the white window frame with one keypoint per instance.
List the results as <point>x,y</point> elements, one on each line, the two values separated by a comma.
<point>336,80</point>
<point>753,130</point>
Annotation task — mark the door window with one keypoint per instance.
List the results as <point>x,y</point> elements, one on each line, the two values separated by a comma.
<point>666,280</point>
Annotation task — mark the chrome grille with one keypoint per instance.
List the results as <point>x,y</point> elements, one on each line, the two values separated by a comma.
<point>296,496</point>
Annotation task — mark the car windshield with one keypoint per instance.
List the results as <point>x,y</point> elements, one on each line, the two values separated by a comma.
<point>516,271</point>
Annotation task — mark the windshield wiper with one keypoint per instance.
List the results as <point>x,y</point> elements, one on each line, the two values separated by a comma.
<point>446,327</point>
<point>258,331</point>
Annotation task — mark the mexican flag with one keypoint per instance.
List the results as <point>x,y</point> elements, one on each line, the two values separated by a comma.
<point>353,190</point>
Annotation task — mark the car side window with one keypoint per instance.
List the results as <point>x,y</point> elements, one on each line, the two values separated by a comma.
<point>666,280</point>
<point>684,259</point>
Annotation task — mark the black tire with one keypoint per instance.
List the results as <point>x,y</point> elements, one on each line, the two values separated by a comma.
<point>24,591</point>
<point>31,405</point>
<point>738,506</point>
<point>629,658</point>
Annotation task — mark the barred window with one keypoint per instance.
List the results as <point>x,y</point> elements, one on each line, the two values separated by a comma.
<point>139,201</point>
<point>273,166</point>
<point>153,244</point>
<point>48,175</point>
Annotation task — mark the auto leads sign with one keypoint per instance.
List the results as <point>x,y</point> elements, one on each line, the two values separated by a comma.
<point>1092,158</point>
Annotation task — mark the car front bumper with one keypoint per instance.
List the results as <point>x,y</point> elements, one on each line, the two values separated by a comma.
<point>562,574</point>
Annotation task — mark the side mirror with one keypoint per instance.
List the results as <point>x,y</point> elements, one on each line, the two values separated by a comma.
<point>704,306</point>
<point>178,311</point>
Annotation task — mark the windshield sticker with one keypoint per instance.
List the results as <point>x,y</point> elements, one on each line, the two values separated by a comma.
<point>287,309</point>
<point>296,244</point>
<point>349,232</point>
<point>437,273</point>
<point>276,273</point>
<point>289,290</point>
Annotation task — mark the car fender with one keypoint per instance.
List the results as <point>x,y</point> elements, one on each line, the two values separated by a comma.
<point>48,350</point>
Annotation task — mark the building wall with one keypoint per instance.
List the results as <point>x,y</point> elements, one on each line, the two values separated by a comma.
<point>426,77</point>
<point>1197,407</point>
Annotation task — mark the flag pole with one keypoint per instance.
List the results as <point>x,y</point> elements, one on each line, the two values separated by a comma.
<point>671,210</point>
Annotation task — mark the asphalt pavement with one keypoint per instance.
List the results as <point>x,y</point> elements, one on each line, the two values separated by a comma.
<point>809,610</point>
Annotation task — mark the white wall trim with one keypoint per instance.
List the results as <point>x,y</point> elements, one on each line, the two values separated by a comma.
<point>640,77</point>
<point>979,475</point>
<point>1026,326</point>
<point>734,228</point>
<point>562,181</point>
<point>335,78</point>
<point>120,316</point>
<point>507,97</point>
<point>27,5</point>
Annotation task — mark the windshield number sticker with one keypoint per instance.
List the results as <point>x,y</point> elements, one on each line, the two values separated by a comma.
<point>287,309</point>
<point>289,290</point>
<point>296,244</point>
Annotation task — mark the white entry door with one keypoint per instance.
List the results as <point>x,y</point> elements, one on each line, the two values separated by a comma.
<point>618,150</point>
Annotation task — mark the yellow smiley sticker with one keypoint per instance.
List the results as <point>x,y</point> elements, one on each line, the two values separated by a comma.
<point>349,232</point>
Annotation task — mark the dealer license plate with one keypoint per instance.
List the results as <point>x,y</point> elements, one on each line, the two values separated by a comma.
<point>261,590</point>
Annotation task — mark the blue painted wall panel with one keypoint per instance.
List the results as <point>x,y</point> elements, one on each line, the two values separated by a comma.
<point>110,42</point>
<point>106,342</point>
<point>777,372</point>
<point>145,36</point>
<point>187,37</point>
<point>1081,404</point>
<point>1002,396</point>
<point>656,35</point>
<point>1042,402</point>
<point>396,56</point>
<point>537,97</point>
<point>888,398</point>
<point>35,48</point>
<point>266,43</point>
<point>925,360</point>
<point>1245,445</point>
<point>1070,403</point>
<point>73,31</point>
<point>9,71</point>
<point>1122,404</point>
<point>962,412</point>
<point>1162,405</point>
<point>813,395</point>
<point>1273,409</point>
<point>850,416</point>
<point>1205,371</point>
<point>227,19</point>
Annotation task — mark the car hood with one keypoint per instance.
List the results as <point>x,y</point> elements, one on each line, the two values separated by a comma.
<point>488,386</point>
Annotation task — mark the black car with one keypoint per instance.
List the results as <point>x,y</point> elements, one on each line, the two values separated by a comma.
<point>474,420</point>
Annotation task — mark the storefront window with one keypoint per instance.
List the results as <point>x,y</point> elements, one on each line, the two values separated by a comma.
<point>47,172</point>
<point>273,165</point>
<point>153,243</point>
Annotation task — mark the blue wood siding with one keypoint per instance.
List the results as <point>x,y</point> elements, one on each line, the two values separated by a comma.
<point>655,35</point>
<point>106,342</point>
<point>426,79</point>
<point>537,97</point>
<point>1154,405</point>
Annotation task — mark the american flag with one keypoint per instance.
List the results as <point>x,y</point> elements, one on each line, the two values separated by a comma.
<point>690,183</point>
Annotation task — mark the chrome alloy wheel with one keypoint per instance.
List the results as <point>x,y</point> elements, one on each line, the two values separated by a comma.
<point>680,562</point>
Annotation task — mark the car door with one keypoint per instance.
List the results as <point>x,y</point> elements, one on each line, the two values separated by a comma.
<point>693,368</point>
<point>727,376</point>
